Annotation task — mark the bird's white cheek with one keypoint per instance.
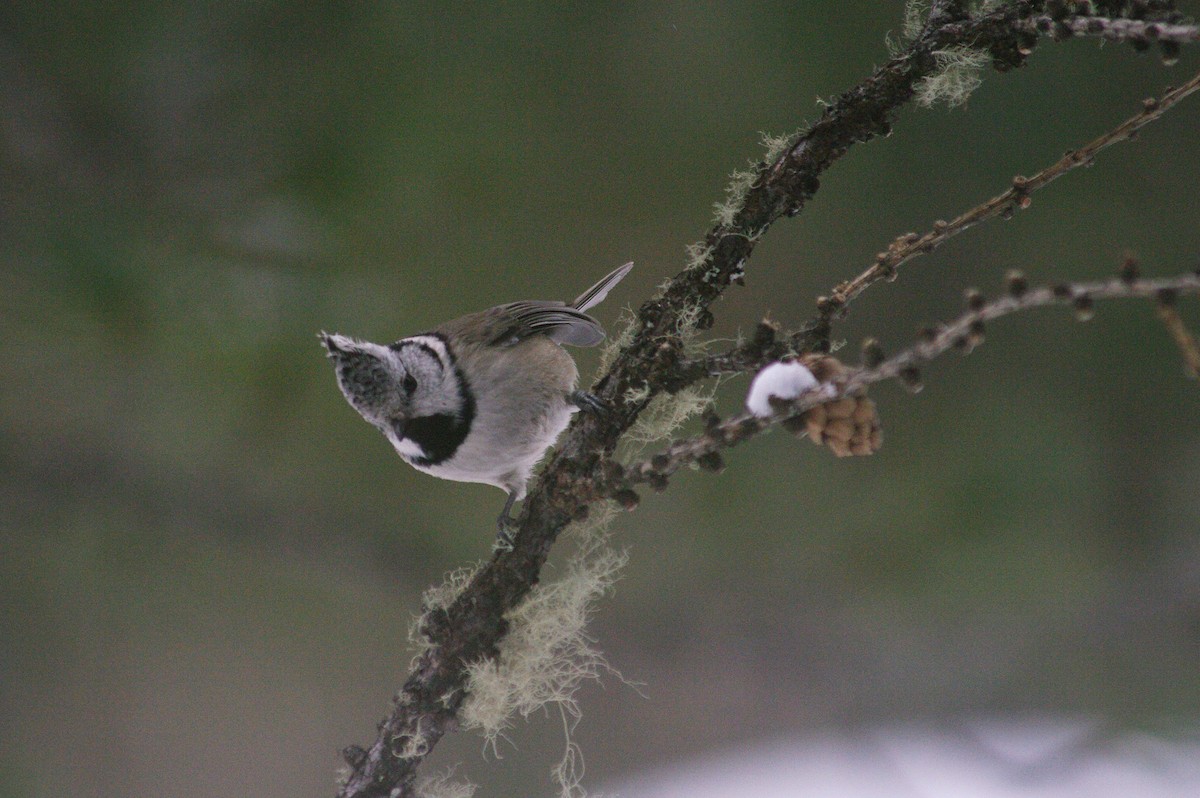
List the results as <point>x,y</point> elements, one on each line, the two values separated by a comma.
<point>408,449</point>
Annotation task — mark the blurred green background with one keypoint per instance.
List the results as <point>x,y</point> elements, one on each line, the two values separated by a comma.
<point>208,562</point>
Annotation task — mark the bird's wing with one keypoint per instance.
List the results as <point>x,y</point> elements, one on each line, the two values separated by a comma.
<point>558,322</point>
<point>505,325</point>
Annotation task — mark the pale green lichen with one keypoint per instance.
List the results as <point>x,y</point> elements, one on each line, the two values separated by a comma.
<point>608,353</point>
<point>636,395</point>
<point>547,654</point>
<point>440,597</point>
<point>740,182</point>
<point>773,146</point>
<point>915,14</point>
<point>568,773</point>
<point>959,72</point>
<point>666,413</point>
<point>698,255</point>
<point>687,320</point>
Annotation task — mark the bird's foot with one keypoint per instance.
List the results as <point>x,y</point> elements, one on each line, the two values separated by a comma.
<point>505,526</point>
<point>588,403</point>
<point>504,533</point>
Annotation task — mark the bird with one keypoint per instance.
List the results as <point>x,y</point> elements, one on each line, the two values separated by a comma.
<point>479,398</point>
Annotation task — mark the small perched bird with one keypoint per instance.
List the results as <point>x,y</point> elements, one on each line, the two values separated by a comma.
<point>479,398</point>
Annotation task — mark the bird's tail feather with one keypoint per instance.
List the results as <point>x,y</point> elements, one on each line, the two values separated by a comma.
<point>595,295</point>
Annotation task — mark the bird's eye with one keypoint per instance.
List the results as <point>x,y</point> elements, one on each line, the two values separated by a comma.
<point>410,383</point>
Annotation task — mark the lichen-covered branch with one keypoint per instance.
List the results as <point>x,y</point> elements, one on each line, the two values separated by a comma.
<point>468,626</point>
<point>781,187</point>
<point>763,346</point>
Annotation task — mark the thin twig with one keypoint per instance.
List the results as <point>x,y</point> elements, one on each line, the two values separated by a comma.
<point>906,247</point>
<point>1181,335</point>
<point>961,334</point>
<point>1115,30</point>
<point>750,356</point>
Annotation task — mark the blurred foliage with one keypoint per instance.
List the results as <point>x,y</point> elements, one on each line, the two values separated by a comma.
<point>208,561</point>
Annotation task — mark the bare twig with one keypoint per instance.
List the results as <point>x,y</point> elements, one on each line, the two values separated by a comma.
<point>906,247</point>
<point>1180,333</point>
<point>1115,30</point>
<point>961,335</point>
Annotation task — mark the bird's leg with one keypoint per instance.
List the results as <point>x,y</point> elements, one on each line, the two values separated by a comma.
<point>587,402</point>
<point>503,536</point>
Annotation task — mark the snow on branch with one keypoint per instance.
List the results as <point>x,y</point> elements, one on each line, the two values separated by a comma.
<point>793,408</point>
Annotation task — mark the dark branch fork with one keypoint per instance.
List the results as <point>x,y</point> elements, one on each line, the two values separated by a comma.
<point>470,629</point>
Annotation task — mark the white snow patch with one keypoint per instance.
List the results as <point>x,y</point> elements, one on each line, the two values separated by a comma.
<point>781,380</point>
<point>955,758</point>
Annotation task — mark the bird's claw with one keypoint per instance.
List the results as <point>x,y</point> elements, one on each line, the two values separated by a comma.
<point>588,403</point>
<point>504,533</point>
